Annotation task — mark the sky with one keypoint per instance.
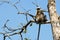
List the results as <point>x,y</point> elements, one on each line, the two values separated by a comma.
<point>7,11</point>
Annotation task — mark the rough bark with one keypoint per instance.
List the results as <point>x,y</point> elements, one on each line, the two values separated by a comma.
<point>54,19</point>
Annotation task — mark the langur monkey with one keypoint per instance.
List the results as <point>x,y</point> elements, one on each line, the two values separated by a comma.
<point>40,17</point>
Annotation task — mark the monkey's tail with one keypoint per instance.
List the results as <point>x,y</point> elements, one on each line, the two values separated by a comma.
<point>38,32</point>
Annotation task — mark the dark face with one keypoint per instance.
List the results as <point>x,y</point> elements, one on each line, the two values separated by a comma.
<point>38,8</point>
<point>39,11</point>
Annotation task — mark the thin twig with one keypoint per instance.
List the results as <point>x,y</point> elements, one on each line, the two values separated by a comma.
<point>24,27</point>
<point>4,37</point>
<point>10,29</point>
<point>21,37</point>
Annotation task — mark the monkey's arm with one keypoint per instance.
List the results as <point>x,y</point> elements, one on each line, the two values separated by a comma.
<point>44,10</point>
<point>59,19</point>
<point>27,14</point>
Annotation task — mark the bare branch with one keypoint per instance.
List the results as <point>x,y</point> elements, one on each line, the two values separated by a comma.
<point>26,11</point>
<point>4,1</point>
<point>24,27</point>
<point>35,4</point>
<point>21,37</point>
<point>9,38</point>
<point>10,29</point>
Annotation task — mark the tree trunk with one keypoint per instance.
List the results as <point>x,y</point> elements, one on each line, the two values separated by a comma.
<point>54,19</point>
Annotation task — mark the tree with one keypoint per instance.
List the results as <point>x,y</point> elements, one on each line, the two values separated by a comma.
<point>40,18</point>
<point>54,19</point>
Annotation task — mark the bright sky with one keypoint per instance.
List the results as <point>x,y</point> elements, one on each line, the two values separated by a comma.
<point>8,11</point>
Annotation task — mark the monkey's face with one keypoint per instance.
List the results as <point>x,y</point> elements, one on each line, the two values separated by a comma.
<point>39,11</point>
<point>38,8</point>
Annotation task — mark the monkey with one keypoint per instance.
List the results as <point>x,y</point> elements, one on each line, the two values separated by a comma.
<point>40,17</point>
